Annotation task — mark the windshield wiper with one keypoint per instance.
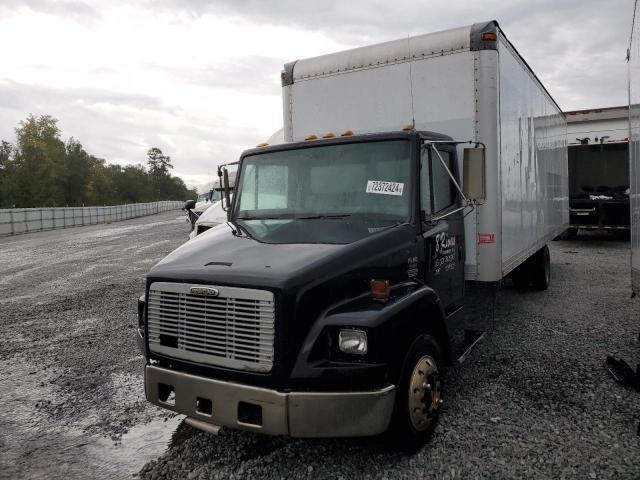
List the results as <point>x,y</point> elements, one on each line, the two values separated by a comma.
<point>315,217</point>
<point>294,217</point>
<point>261,218</point>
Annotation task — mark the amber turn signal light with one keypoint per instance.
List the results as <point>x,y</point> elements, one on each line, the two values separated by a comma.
<point>380,289</point>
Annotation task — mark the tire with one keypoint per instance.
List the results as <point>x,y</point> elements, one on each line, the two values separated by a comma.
<point>419,387</point>
<point>521,276</point>
<point>541,269</point>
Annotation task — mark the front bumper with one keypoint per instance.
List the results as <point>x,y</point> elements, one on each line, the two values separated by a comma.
<point>298,414</point>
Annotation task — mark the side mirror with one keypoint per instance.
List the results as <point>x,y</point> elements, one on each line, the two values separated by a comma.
<point>227,196</point>
<point>223,176</point>
<point>189,205</point>
<point>473,182</point>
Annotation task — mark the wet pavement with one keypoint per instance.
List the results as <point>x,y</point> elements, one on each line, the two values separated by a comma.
<point>534,400</point>
<point>71,391</point>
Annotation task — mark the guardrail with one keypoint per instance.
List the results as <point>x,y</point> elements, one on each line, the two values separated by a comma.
<point>25,220</point>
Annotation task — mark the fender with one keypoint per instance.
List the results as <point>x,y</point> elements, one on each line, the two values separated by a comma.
<point>412,309</point>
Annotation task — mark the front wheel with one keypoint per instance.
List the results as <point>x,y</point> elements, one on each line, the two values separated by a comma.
<point>419,395</point>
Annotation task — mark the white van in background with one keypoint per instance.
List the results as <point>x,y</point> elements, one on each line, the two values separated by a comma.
<point>212,216</point>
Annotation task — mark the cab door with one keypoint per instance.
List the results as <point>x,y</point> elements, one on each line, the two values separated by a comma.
<point>442,225</point>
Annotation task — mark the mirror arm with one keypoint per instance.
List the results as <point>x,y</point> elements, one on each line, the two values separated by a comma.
<point>437,219</point>
<point>446,167</point>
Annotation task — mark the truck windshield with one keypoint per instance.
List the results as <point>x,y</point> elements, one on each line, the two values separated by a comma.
<point>325,194</point>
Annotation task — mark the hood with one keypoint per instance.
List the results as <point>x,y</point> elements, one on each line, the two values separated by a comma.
<point>223,256</point>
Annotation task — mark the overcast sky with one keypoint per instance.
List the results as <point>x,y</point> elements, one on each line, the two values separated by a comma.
<point>201,79</point>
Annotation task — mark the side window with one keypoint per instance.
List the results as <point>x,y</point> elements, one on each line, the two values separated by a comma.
<point>425,184</point>
<point>443,188</point>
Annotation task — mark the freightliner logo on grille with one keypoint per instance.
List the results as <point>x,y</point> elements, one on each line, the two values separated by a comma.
<point>205,291</point>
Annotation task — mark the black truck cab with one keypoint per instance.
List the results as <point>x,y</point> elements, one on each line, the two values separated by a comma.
<point>326,304</point>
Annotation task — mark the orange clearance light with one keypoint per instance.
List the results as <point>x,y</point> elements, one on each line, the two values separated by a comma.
<point>489,36</point>
<point>260,145</point>
<point>347,133</point>
<point>380,289</point>
<point>311,137</point>
<point>408,127</point>
<point>328,135</point>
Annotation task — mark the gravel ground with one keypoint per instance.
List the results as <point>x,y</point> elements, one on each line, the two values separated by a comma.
<point>532,401</point>
<point>71,386</point>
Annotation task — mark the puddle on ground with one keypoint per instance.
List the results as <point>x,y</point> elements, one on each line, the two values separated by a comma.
<point>39,445</point>
<point>141,444</point>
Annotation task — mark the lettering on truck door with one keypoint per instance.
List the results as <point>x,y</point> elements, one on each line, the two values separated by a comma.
<point>443,234</point>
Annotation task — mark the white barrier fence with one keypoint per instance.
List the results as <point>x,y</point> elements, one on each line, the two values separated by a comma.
<point>24,220</point>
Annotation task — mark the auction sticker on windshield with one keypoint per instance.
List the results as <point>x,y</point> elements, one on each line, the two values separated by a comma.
<point>385,188</point>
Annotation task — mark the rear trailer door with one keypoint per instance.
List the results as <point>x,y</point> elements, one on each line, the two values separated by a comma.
<point>598,184</point>
<point>634,150</point>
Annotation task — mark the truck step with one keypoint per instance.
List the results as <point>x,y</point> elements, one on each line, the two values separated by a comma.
<point>471,339</point>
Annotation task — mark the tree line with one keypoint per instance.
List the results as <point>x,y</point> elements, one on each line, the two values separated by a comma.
<point>42,170</point>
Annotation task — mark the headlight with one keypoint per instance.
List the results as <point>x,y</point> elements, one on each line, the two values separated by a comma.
<point>353,342</point>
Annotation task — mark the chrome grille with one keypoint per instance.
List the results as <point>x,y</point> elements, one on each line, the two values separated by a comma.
<point>234,329</point>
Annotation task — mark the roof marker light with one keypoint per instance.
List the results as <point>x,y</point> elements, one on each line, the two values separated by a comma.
<point>260,145</point>
<point>328,135</point>
<point>311,137</point>
<point>408,127</point>
<point>347,133</point>
<point>489,36</point>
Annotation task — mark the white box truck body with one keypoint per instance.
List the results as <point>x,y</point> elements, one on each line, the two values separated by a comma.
<point>469,83</point>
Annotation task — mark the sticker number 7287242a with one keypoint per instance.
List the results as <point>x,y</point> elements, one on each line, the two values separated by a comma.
<point>385,188</point>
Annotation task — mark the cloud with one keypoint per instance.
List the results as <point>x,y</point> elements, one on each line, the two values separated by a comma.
<point>576,46</point>
<point>254,73</point>
<point>14,94</point>
<point>78,10</point>
<point>122,127</point>
<point>200,78</point>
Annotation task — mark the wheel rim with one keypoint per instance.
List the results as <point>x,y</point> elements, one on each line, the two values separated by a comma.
<point>425,393</point>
